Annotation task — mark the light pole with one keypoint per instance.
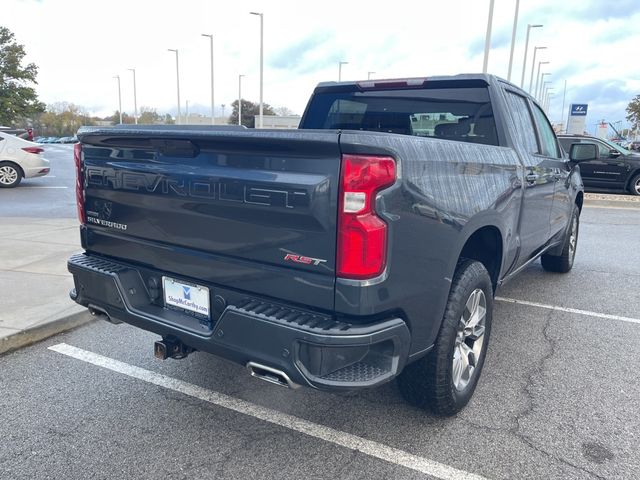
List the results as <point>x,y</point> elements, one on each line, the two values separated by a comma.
<point>213,104</point>
<point>538,91</point>
<point>547,103</point>
<point>240,99</point>
<point>261,58</point>
<point>535,89</point>
<point>543,93</point>
<point>564,96</point>
<point>135,97</point>
<point>487,39</point>
<point>513,39</point>
<point>526,49</point>
<point>369,75</point>
<point>340,70</point>
<point>119,98</point>
<point>177,81</point>
<point>533,65</point>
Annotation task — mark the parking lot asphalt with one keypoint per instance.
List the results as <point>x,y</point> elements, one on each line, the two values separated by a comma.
<point>51,196</point>
<point>557,399</point>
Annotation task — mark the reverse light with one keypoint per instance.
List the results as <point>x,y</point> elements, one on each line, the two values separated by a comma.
<point>362,235</point>
<point>77,157</point>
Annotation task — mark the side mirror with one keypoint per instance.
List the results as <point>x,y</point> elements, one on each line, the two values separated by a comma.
<point>582,152</point>
<point>613,153</point>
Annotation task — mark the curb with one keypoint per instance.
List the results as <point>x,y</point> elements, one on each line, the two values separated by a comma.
<point>612,204</point>
<point>41,332</point>
<point>609,200</point>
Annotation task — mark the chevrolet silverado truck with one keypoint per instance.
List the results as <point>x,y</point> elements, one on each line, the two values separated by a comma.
<point>365,246</point>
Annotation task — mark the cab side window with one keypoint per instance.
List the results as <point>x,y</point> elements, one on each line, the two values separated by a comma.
<point>548,142</point>
<point>523,129</point>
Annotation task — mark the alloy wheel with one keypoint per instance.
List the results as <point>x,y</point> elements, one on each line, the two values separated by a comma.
<point>469,339</point>
<point>8,175</point>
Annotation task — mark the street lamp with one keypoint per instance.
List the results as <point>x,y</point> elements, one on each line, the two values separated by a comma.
<point>538,91</point>
<point>340,70</point>
<point>544,87</point>
<point>533,65</point>
<point>240,99</point>
<point>526,48</point>
<point>213,105</point>
<point>177,81</point>
<point>487,39</point>
<point>261,58</point>
<point>535,89</point>
<point>135,98</point>
<point>547,103</point>
<point>369,75</point>
<point>564,96</point>
<point>119,98</point>
<point>513,39</point>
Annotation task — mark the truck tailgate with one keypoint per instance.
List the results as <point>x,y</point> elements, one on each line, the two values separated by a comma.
<point>251,210</point>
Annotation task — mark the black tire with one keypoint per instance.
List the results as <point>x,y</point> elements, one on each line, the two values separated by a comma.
<point>429,382</point>
<point>563,263</point>
<point>10,175</point>
<point>634,186</point>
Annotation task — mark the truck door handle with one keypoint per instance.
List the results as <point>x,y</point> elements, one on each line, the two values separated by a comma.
<point>532,178</point>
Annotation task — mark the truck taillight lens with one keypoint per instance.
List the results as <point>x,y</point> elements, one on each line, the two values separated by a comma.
<point>77,157</point>
<point>362,235</point>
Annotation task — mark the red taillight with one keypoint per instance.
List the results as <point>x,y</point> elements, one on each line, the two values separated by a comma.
<point>362,235</point>
<point>77,157</point>
<point>35,150</point>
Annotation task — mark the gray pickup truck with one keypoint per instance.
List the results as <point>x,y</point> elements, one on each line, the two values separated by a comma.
<point>364,246</point>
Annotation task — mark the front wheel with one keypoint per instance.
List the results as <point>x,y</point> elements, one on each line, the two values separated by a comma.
<point>634,186</point>
<point>10,175</point>
<point>564,262</point>
<point>445,379</point>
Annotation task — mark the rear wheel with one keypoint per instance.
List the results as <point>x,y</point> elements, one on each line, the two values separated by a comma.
<point>564,262</point>
<point>10,175</point>
<point>634,186</point>
<point>445,379</point>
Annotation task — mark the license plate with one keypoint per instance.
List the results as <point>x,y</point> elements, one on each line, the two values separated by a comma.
<point>186,296</point>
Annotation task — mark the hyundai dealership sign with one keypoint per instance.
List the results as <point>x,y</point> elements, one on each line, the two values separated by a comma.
<point>577,118</point>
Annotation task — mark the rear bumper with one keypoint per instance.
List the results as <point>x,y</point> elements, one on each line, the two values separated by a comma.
<point>311,348</point>
<point>35,167</point>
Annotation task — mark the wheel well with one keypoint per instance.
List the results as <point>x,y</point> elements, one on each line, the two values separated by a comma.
<point>15,165</point>
<point>631,177</point>
<point>485,246</point>
<point>579,201</point>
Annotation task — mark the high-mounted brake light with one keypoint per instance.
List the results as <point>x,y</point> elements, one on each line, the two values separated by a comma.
<point>391,84</point>
<point>77,157</point>
<point>35,150</point>
<point>362,235</point>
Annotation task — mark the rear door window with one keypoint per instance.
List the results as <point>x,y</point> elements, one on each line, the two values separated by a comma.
<point>522,129</point>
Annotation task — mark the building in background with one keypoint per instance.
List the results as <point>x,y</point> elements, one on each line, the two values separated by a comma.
<point>198,119</point>
<point>279,121</point>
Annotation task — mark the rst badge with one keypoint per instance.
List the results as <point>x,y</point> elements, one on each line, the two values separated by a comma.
<point>290,257</point>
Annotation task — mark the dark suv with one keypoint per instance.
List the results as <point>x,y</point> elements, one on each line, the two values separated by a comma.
<point>616,168</point>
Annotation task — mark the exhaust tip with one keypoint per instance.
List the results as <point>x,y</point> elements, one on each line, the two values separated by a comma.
<point>271,375</point>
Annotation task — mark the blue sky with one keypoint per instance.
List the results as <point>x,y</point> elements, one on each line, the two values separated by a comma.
<point>80,45</point>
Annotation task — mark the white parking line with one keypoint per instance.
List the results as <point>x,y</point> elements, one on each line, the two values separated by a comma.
<point>347,440</point>
<point>570,310</point>
<point>22,188</point>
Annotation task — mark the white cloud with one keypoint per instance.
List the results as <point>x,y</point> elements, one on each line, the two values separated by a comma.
<point>80,45</point>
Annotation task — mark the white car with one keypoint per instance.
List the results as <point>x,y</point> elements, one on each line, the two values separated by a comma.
<point>20,159</point>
